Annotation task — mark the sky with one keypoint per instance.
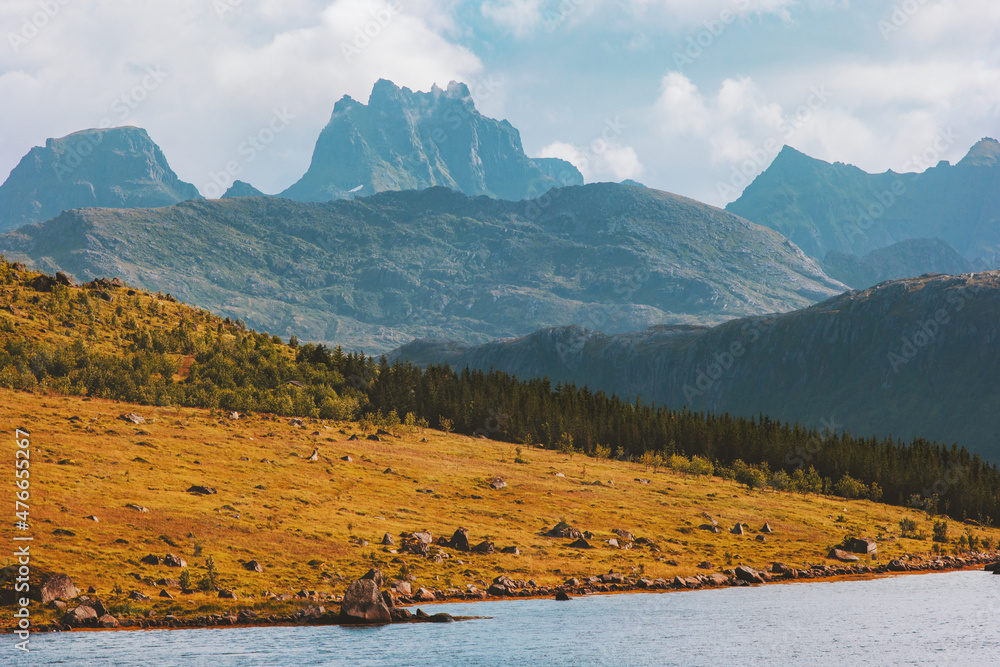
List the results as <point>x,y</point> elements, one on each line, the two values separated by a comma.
<point>692,97</point>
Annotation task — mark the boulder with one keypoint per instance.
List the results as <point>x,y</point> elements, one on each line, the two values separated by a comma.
<point>108,621</point>
<point>511,550</point>
<point>424,595</point>
<point>347,458</point>
<point>82,615</point>
<point>761,538</point>
<point>484,547</point>
<point>861,545</point>
<point>580,544</point>
<point>748,574</point>
<point>400,615</point>
<point>766,528</point>
<point>64,279</point>
<point>613,542</point>
<point>139,597</point>
<point>171,560</point>
<point>363,604</point>
<point>151,559</point>
<point>842,556</point>
<point>253,566</point>
<point>562,596</point>
<point>53,587</point>
<point>227,595</point>
<point>375,575</point>
<point>460,540</point>
<point>498,483</point>
<point>710,528</point>
<point>387,540</point>
<point>202,490</point>
<point>563,529</point>
<point>402,587</point>
<point>737,529</point>
<point>314,456</point>
<point>165,594</point>
<point>133,418</point>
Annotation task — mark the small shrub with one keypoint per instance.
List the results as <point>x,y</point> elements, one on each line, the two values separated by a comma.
<point>941,532</point>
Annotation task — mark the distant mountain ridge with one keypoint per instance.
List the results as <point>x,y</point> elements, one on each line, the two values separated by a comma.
<point>905,259</point>
<point>825,207</point>
<point>914,357</point>
<point>405,140</point>
<point>379,271</point>
<point>117,167</point>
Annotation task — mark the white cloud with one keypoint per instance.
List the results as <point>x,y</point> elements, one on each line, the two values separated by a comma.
<point>520,17</point>
<point>600,161</point>
<point>227,73</point>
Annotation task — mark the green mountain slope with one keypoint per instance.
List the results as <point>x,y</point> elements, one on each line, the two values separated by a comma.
<point>915,357</point>
<point>377,272</point>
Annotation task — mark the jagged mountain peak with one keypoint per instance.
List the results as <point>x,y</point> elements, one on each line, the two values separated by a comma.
<point>986,153</point>
<point>406,140</point>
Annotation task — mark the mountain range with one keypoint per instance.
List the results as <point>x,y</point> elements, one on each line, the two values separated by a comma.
<point>914,357</point>
<point>114,168</point>
<point>377,272</point>
<point>823,207</point>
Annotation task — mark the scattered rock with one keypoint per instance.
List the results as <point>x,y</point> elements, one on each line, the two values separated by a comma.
<point>137,508</point>
<point>842,556</point>
<point>165,594</point>
<point>375,575</point>
<point>347,458</point>
<point>91,517</point>
<point>151,559</point>
<point>233,416</point>
<point>460,540</point>
<point>705,565</point>
<point>564,530</point>
<point>766,528</point>
<point>761,538</point>
<point>737,529</point>
<point>749,575</point>
<point>484,547</point>
<point>80,616</point>
<point>861,545</point>
<point>424,537</point>
<point>402,587</point>
<point>613,543</point>
<point>581,544</point>
<point>64,279</point>
<point>314,456</point>
<point>387,540</point>
<point>511,550</point>
<point>354,437</point>
<point>171,560</point>
<point>108,621</point>
<point>139,597</point>
<point>642,481</point>
<point>498,483</point>
<point>374,437</point>
<point>227,595</point>
<point>64,532</point>
<point>202,490</point>
<point>363,604</point>
<point>52,587</point>
<point>253,566</point>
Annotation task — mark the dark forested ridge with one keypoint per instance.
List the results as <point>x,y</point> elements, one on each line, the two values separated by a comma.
<point>103,341</point>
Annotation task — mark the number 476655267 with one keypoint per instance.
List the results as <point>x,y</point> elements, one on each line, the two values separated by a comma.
<point>23,454</point>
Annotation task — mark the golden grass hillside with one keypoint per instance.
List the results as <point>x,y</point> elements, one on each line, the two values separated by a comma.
<point>315,525</point>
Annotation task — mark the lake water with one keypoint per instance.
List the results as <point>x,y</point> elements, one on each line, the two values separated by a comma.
<point>931,619</point>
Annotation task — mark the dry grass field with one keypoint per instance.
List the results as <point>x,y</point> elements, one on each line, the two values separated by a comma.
<point>315,525</point>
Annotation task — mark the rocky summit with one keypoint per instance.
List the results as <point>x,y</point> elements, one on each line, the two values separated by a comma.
<point>377,272</point>
<point>117,167</point>
<point>825,207</point>
<point>406,140</point>
<point>909,358</point>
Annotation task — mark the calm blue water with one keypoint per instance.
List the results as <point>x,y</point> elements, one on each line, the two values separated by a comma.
<point>933,619</point>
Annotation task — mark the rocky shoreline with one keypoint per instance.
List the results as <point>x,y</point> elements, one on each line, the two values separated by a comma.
<point>367,602</point>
